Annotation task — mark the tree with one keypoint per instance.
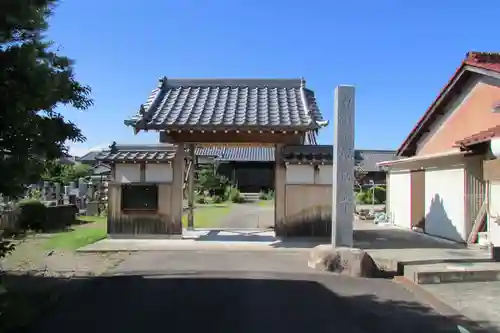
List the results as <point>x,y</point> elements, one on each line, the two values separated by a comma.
<point>209,180</point>
<point>34,81</point>
<point>57,172</point>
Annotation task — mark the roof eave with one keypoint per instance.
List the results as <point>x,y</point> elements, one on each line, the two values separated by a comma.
<point>140,126</point>
<point>413,135</point>
<point>465,67</point>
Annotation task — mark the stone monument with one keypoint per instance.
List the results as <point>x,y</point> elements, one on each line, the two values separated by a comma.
<point>343,167</point>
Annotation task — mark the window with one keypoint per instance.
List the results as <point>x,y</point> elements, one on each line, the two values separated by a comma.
<point>140,197</point>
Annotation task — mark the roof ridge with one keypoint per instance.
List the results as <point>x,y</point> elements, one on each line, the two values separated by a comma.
<point>243,82</point>
<point>482,57</point>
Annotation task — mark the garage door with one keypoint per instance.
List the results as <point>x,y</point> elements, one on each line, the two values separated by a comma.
<point>494,227</point>
<point>444,203</point>
<point>400,198</point>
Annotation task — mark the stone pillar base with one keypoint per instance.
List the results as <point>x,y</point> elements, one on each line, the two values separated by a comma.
<point>495,253</point>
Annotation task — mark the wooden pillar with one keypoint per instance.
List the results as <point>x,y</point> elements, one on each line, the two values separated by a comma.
<point>191,166</point>
<point>280,192</point>
<point>175,227</point>
<point>417,199</point>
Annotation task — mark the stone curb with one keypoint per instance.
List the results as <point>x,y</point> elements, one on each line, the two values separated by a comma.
<point>465,324</point>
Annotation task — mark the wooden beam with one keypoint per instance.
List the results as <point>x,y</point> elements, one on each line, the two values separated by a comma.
<point>190,171</point>
<point>478,223</point>
<point>232,137</point>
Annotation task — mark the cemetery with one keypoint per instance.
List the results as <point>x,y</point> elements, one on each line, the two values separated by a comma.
<point>53,206</point>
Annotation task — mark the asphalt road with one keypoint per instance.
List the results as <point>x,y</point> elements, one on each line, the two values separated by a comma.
<point>208,296</point>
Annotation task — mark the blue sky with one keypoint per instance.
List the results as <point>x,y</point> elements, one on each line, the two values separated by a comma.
<point>398,54</point>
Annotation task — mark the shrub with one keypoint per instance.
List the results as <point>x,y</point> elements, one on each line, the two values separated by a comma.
<point>218,199</point>
<point>262,195</point>
<point>33,215</point>
<point>365,197</point>
<point>380,194</point>
<point>361,197</point>
<point>209,180</point>
<point>201,200</point>
<point>235,195</point>
<point>270,195</point>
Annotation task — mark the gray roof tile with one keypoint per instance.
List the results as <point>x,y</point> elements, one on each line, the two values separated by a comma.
<point>89,157</point>
<point>248,154</point>
<point>367,159</point>
<point>240,154</point>
<point>209,151</point>
<point>308,153</point>
<point>137,153</point>
<point>229,103</point>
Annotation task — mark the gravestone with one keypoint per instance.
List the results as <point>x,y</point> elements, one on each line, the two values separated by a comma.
<point>46,191</point>
<point>343,167</point>
<point>57,190</point>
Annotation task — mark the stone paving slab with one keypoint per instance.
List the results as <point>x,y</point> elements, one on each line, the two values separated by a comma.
<point>397,259</point>
<point>453,272</point>
<point>479,301</point>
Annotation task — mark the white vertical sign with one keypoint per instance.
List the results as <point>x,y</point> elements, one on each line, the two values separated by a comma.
<point>343,167</point>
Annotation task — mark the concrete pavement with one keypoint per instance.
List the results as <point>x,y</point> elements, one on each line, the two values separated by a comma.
<point>249,215</point>
<point>479,301</point>
<point>236,292</point>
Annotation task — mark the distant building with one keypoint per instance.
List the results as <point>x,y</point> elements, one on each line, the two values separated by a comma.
<point>251,169</point>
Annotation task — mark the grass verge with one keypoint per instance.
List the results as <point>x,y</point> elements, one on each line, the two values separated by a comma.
<point>90,232</point>
<point>205,216</point>
<point>208,216</point>
<point>266,203</point>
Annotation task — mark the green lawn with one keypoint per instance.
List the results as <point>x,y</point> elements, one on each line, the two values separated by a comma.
<point>81,235</point>
<point>208,216</point>
<point>266,203</point>
<point>205,216</point>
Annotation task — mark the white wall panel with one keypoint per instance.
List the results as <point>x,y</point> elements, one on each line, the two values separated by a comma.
<point>444,203</point>
<point>399,184</point>
<point>159,173</point>
<point>127,173</point>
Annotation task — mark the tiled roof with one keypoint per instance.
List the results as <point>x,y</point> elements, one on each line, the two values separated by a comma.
<point>308,154</point>
<point>209,151</point>
<point>89,157</point>
<point>248,154</point>
<point>366,160</point>
<point>142,153</point>
<point>480,137</point>
<point>229,103</point>
<point>473,62</point>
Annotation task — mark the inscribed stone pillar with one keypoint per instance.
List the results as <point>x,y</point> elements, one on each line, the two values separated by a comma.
<point>343,167</point>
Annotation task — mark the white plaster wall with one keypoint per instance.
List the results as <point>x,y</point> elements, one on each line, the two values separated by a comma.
<point>494,213</point>
<point>159,173</point>
<point>127,173</point>
<point>444,203</point>
<point>324,175</point>
<point>399,183</point>
<point>299,174</point>
<point>450,110</point>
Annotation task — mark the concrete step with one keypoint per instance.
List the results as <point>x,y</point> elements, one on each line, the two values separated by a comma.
<point>250,196</point>
<point>453,272</point>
